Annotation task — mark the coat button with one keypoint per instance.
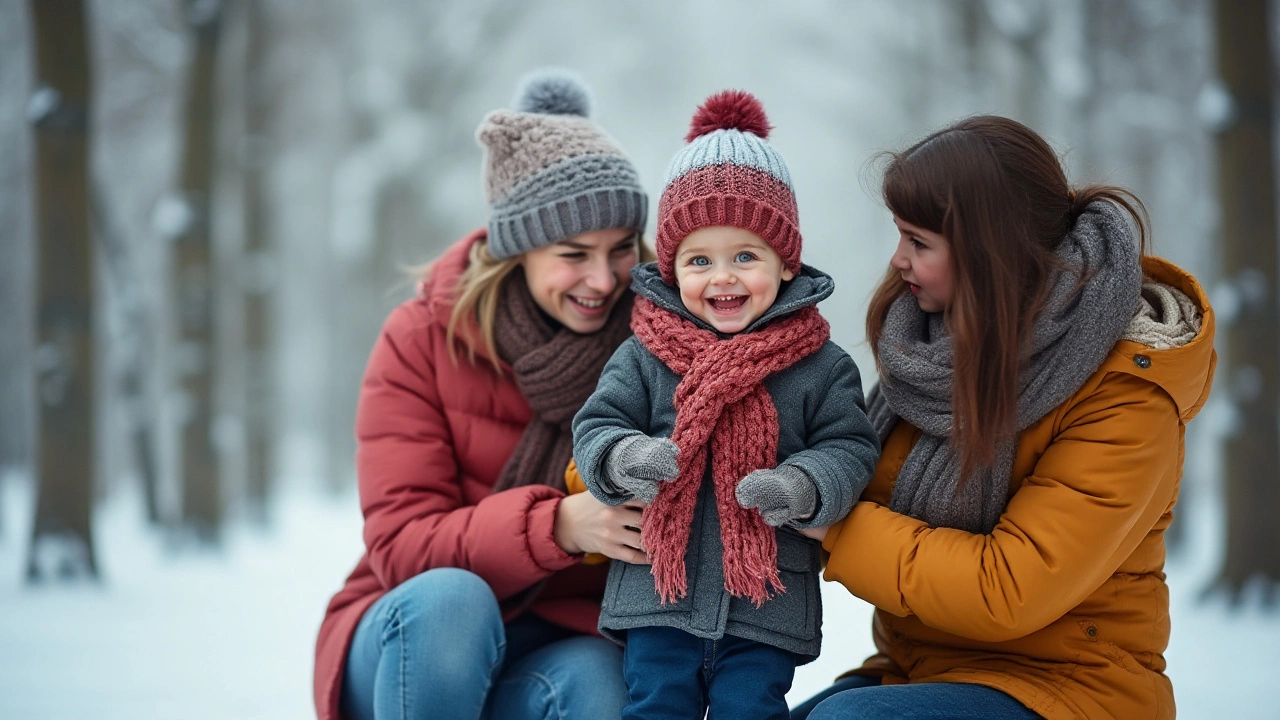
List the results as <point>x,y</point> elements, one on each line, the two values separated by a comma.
<point>1142,361</point>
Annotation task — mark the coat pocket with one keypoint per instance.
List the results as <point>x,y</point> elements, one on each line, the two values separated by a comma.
<point>797,612</point>
<point>631,591</point>
<point>1091,630</point>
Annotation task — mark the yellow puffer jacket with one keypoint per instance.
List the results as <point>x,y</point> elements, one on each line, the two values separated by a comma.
<point>1064,605</point>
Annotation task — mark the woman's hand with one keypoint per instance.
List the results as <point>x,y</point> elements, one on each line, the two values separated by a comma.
<point>818,533</point>
<point>586,525</point>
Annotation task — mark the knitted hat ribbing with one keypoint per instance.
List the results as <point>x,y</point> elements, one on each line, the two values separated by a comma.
<point>728,174</point>
<point>551,173</point>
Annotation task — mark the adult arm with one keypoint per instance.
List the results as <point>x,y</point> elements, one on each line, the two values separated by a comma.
<point>614,531</point>
<point>416,518</point>
<point>1095,493</point>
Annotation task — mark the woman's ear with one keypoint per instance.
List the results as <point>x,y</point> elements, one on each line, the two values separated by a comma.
<point>787,274</point>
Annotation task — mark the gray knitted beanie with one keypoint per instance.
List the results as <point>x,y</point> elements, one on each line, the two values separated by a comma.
<point>551,173</point>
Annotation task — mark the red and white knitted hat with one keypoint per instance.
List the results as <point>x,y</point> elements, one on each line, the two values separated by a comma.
<point>728,174</point>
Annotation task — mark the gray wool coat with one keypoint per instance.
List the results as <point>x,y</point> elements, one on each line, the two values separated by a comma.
<point>822,429</point>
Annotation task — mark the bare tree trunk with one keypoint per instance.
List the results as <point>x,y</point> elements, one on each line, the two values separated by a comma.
<point>971,21</point>
<point>62,535</point>
<point>260,271</point>
<point>193,254</point>
<point>364,263</point>
<point>135,341</point>
<point>1023,26</point>
<point>1246,178</point>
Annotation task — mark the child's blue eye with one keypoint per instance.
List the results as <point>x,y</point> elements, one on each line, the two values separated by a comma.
<point>744,257</point>
<point>700,261</point>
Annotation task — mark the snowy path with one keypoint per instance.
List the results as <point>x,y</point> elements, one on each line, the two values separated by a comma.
<point>229,635</point>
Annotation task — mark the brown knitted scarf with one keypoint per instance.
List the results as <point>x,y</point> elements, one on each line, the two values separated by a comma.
<point>556,370</point>
<point>722,405</point>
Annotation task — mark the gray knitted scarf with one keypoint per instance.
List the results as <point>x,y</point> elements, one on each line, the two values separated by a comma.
<point>1071,337</point>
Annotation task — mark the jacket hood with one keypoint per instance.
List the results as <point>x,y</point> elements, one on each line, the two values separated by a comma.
<point>1185,372</point>
<point>809,287</point>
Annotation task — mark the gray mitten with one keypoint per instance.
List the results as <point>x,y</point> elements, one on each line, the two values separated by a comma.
<point>782,494</point>
<point>637,463</point>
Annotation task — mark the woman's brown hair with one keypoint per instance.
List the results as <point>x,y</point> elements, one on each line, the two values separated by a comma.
<point>997,192</point>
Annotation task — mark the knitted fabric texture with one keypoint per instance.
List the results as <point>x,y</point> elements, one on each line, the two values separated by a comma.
<point>1071,337</point>
<point>1166,318</point>
<point>723,414</point>
<point>551,173</point>
<point>728,175</point>
<point>556,370</point>
<point>782,494</point>
<point>638,464</point>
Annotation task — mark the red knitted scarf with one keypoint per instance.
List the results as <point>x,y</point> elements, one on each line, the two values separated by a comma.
<point>721,405</point>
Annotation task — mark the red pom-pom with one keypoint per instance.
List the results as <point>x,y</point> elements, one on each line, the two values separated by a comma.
<point>730,109</point>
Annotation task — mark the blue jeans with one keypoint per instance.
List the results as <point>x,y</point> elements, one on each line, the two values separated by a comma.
<point>436,647</point>
<point>864,698</point>
<point>672,674</point>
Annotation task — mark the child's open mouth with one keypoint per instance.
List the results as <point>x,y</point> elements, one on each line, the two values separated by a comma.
<point>727,303</point>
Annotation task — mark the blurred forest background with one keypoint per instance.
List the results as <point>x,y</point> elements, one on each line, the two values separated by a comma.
<point>207,207</point>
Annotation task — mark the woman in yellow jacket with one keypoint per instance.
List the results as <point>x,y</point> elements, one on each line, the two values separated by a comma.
<point>1037,373</point>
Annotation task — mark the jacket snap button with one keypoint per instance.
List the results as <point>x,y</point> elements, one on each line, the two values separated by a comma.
<point>1092,631</point>
<point>1142,361</point>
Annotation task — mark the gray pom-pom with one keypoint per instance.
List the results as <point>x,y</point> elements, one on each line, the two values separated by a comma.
<point>553,91</point>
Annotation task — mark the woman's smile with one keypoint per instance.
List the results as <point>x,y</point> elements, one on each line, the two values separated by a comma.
<point>589,306</point>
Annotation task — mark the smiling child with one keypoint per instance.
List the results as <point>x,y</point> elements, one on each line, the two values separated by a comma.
<point>734,416</point>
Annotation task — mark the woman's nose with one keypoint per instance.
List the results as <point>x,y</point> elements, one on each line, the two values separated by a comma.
<point>600,277</point>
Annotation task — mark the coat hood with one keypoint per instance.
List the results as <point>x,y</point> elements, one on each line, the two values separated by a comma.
<point>1185,372</point>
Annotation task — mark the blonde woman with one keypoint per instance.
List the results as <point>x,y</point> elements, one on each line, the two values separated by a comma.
<point>471,597</point>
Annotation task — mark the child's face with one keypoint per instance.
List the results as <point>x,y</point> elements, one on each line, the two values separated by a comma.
<point>924,259</point>
<point>728,276</point>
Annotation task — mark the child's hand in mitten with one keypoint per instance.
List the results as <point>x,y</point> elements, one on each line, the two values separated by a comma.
<point>638,463</point>
<point>782,494</point>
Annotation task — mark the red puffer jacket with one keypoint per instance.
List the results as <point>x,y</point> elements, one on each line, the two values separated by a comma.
<point>433,437</point>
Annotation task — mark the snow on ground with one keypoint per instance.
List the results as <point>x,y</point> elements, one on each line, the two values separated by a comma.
<point>228,634</point>
<point>173,634</point>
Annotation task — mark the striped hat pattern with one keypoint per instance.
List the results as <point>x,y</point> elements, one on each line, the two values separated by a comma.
<point>728,175</point>
<point>551,173</point>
